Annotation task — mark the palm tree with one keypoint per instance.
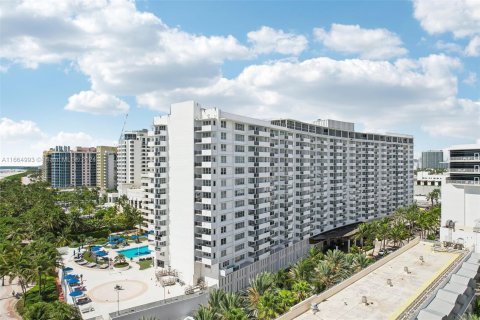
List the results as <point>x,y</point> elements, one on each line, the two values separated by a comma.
<point>337,260</point>
<point>382,228</point>
<point>282,279</point>
<point>360,261</point>
<point>325,276</point>
<point>302,270</point>
<point>364,231</point>
<point>398,233</point>
<point>302,290</point>
<point>205,313</point>
<point>216,299</point>
<point>269,306</point>
<point>258,286</point>
<point>64,311</point>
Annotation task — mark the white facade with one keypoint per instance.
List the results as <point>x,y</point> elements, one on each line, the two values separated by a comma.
<point>132,158</point>
<point>232,196</point>
<point>461,197</point>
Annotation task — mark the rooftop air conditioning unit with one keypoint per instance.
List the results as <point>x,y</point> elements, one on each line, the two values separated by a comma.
<point>450,224</point>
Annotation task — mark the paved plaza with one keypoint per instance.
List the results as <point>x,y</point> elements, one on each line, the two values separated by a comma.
<point>137,287</point>
<point>385,301</point>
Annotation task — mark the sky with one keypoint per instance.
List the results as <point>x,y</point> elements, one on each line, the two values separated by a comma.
<point>71,70</point>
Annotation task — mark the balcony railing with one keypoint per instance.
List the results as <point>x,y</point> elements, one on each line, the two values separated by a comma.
<point>464,158</point>
<point>464,170</point>
<point>475,182</point>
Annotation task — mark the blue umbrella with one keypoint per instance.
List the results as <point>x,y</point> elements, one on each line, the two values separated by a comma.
<point>70,276</point>
<point>134,237</point>
<point>72,281</point>
<point>101,254</point>
<point>96,248</point>
<point>67,269</point>
<point>76,294</point>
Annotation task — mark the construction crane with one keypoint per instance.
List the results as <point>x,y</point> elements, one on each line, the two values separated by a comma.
<point>123,127</point>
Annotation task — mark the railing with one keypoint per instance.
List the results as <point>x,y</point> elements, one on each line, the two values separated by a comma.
<point>464,170</point>
<point>463,181</point>
<point>464,158</point>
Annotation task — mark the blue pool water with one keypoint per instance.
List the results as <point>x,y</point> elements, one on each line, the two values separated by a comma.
<point>135,252</point>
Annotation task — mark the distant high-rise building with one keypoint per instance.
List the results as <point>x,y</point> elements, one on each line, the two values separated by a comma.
<point>64,167</point>
<point>433,159</point>
<point>106,167</point>
<point>131,159</point>
<point>461,197</point>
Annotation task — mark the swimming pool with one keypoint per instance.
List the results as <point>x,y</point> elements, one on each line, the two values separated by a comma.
<point>135,252</point>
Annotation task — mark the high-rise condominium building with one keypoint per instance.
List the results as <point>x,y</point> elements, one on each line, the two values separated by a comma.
<point>131,159</point>
<point>106,167</point>
<point>231,196</point>
<point>461,197</point>
<point>433,159</point>
<point>64,167</point>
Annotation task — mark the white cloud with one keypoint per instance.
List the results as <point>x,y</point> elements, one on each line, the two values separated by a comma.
<point>96,103</point>
<point>15,131</point>
<point>473,47</point>
<point>416,93</point>
<point>471,79</point>
<point>460,17</point>
<point>267,40</point>
<point>367,43</point>
<point>123,51</point>
<point>448,46</point>
<point>23,142</point>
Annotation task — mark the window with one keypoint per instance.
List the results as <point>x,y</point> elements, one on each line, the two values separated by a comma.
<point>223,229</point>
<point>223,206</point>
<point>223,253</point>
<point>223,159</point>
<point>240,192</point>
<point>239,170</point>
<point>223,241</point>
<point>239,225</point>
<point>223,124</point>
<point>223,171</point>
<point>223,147</point>
<point>239,159</point>
<point>240,247</point>
<point>239,148</point>
<point>239,137</point>
<point>239,203</point>
<point>223,194</point>
<point>225,263</point>
<point>240,236</point>
<point>239,214</point>
<point>223,183</point>
<point>223,135</point>
<point>239,126</point>
<point>239,181</point>
<point>223,217</point>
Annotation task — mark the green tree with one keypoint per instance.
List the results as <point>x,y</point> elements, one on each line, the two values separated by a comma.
<point>258,287</point>
<point>302,290</point>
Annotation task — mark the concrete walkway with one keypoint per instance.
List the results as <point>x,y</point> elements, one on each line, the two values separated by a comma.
<point>7,301</point>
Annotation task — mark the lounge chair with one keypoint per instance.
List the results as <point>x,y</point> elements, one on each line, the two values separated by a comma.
<point>91,265</point>
<point>103,266</point>
<point>77,259</point>
<point>82,262</point>
<point>87,309</point>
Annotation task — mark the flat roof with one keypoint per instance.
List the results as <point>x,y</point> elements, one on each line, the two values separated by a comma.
<point>384,301</point>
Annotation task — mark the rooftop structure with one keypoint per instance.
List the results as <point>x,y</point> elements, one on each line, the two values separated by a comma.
<point>389,291</point>
<point>461,197</point>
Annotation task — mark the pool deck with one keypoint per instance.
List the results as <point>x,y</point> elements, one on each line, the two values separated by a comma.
<point>138,287</point>
<point>385,301</point>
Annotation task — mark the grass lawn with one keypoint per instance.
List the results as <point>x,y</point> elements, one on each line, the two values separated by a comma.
<point>145,264</point>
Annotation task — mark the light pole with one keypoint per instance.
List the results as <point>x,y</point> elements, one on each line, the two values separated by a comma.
<point>118,288</point>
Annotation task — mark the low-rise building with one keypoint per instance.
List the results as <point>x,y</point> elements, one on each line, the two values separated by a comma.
<point>461,197</point>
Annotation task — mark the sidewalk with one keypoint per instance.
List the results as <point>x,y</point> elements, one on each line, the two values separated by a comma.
<point>7,301</point>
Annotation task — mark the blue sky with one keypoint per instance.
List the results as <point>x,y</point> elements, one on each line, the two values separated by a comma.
<point>70,70</point>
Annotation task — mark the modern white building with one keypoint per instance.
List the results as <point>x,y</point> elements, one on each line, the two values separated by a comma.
<point>231,196</point>
<point>106,167</point>
<point>426,182</point>
<point>132,159</point>
<point>461,197</point>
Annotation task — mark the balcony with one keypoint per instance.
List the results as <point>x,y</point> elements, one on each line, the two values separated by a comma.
<point>465,182</point>
<point>465,170</point>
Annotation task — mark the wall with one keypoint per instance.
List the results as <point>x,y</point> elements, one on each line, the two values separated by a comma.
<point>282,259</point>
<point>176,310</point>
<point>181,189</point>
